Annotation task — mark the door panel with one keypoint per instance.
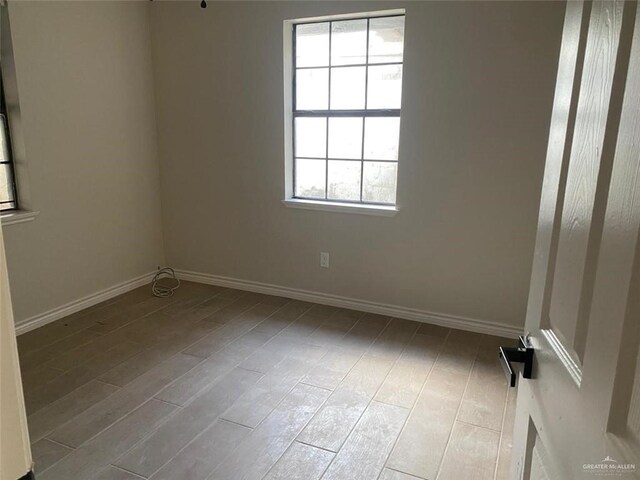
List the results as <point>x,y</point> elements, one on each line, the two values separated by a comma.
<point>633,415</point>
<point>579,416</point>
<point>575,261</point>
<point>15,450</point>
<point>540,464</point>
<point>624,415</point>
<point>557,162</point>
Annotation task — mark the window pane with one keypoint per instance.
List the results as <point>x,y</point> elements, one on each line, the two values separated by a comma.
<point>310,178</point>
<point>385,86</point>
<point>6,178</point>
<point>347,88</point>
<point>312,45</point>
<point>6,192</point>
<point>311,137</point>
<point>348,158</point>
<point>344,180</point>
<point>345,137</point>
<point>379,182</point>
<point>4,148</point>
<point>312,89</point>
<point>381,138</point>
<point>386,39</point>
<point>349,42</point>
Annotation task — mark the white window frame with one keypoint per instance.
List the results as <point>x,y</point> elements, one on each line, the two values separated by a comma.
<point>25,211</point>
<point>289,199</point>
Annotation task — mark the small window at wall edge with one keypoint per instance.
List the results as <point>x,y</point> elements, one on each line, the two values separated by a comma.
<point>343,89</point>
<point>8,189</point>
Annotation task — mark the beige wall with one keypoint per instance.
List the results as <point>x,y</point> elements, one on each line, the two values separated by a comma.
<point>478,87</point>
<point>85,85</point>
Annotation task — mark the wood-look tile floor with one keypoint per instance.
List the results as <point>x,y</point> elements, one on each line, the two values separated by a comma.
<point>221,384</point>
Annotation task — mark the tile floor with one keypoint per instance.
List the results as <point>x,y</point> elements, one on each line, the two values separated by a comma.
<point>221,384</point>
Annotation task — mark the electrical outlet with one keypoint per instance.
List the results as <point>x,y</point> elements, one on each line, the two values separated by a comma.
<point>324,259</point>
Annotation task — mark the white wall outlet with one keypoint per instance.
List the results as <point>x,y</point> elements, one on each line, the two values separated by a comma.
<point>324,259</point>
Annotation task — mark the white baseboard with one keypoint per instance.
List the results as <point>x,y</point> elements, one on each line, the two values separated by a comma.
<point>57,313</point>
<point>451,321</point>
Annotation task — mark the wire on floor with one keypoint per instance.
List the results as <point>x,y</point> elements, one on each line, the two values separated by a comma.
<point>164,282</point>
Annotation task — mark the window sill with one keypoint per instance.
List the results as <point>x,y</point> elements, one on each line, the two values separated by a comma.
<point>20,216</point>
<point>380,210</point>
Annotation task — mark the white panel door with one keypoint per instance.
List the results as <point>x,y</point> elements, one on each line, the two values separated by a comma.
<point>15,450</point>
<point>579,417</point>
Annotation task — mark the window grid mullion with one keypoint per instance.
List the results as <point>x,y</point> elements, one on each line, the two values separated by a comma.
<point>326,152</point>
<point>348,113</point>
<point>349,65</point>
<point>382,160</point>
<point>366,95</point>
<point>295,105</point>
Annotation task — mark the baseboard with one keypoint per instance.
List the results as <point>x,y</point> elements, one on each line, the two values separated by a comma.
<point>451,321</point>
<point>57,313</point>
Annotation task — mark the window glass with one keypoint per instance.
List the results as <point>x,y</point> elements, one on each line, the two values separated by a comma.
<point>347,105</point>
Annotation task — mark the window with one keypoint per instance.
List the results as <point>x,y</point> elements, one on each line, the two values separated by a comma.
<point>8,196</point>
<point>347,86</point>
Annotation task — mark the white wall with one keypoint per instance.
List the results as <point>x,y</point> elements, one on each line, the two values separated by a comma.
<point>85,85</point>
<point>478,87</point>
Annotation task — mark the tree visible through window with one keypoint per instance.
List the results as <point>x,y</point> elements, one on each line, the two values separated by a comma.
<point>347,86</point>
<point>8,198</point>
